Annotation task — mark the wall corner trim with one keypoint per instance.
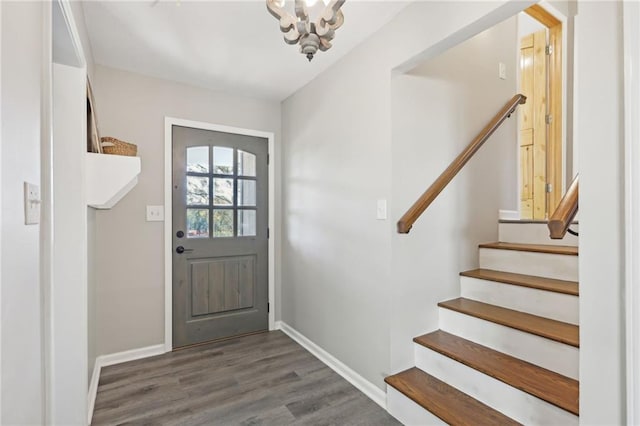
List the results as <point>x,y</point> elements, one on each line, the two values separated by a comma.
<point>112,359</point>
<point>376,394</point>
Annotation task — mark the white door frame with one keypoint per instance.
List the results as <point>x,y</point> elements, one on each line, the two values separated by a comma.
<point>64,263</point>
<point>169,122</point>
<point>631,34</point>
<point>1,214</point>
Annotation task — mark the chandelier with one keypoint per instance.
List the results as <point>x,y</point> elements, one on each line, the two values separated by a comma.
<point>313,35</point>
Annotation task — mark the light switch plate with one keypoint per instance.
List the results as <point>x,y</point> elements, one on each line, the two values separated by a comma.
<point>155,213</point>
<point>31,204</point>
<point>502,71</point>
<point>381,211</point>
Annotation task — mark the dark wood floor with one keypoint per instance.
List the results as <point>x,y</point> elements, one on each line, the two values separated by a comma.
<point>264,379</point>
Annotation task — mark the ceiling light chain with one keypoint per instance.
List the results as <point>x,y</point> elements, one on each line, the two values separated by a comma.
<point>300,29</point>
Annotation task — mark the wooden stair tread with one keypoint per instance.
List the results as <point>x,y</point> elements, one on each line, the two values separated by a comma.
<point>547,385</point>
<point>444,401</point>
<point>540,283</point>
<point>535,248</point>
<point>544,327</point>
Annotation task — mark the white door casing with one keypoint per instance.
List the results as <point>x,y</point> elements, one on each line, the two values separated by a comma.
<point>169,122</point>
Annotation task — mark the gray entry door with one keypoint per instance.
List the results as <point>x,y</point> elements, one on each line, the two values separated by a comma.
<point>220,248</point>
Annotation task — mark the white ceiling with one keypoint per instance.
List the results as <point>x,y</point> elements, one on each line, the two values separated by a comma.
<point>233,46</point>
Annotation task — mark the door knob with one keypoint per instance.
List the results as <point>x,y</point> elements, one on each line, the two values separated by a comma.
<point>181,249</point>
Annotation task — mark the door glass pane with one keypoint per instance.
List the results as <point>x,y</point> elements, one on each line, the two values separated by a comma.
<point>246,192</point>
<point>197,223</point>
<point>223,223</point>
<point>222,192</point>
<point>197,191</point>
<point>222,160</point>
<point>246,164</point>
<point>246,223</point>
<point>198,159</point>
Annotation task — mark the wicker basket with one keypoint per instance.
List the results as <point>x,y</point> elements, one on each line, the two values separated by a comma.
<point>117,147</point>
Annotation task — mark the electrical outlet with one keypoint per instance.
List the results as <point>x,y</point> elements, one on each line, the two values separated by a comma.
<point>31,204</point>
<point>155,213</point>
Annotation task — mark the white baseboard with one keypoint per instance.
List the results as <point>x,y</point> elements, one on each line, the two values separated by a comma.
<point>508,215</point>
<point>112,359</point>
<point>376,394</point>
<point>93,390</point>
<point>131,355</point>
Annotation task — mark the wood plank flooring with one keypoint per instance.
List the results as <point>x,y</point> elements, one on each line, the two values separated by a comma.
<point>263,379</point>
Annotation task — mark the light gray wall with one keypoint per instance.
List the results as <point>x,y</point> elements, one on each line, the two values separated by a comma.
<point>129,259</point>
<point>338,282</point>
<point>437,109</point>
<point>599,105</point>
<point>21,369</point>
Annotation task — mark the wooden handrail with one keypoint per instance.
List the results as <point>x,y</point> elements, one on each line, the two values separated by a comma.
<point>565,213</point>
<point>408,219</point>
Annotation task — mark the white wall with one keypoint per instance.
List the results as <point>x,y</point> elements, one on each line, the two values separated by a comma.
<point>598,129</point>
<point>78,16</point>
<point>338,281</point>
<point>528,25</point>
<point>68,394</point>
<point>437,109</point>
<point>21,372</point>
<point>129,259</point>
<point>632,213</point>
<point>77,11</point>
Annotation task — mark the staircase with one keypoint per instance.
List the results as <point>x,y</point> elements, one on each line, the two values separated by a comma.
<point>507,348</point>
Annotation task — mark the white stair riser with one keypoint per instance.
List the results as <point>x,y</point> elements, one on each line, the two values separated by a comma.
<point>514,403</point>
<point>548,304</point>
<point>533,233</point>
<point>546,353</point>
<point>559,266</point>
<point>408,412</point>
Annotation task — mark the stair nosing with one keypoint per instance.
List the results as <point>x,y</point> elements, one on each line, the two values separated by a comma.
<point>400,387</point>
<point>531,221</point>
<point>530,248</point>
<point>523,282</point>
<point>539,333</point>
<point>420,340</point>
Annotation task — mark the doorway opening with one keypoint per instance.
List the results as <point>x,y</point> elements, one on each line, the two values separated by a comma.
<point>541,118</point>
<point>219,229</point>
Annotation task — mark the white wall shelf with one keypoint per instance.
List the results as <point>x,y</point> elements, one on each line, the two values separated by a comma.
<point>109,178</point>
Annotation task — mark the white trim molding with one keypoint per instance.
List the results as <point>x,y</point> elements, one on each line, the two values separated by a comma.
<point>112,359</point>
<point>376,394</point>
<point>1,235</point>
<point>93,390</point>
<point>508,215</point>
<point>631,34</point>
<point>169,122</point>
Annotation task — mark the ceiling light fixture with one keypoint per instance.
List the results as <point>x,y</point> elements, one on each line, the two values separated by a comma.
<point>313,35</point>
